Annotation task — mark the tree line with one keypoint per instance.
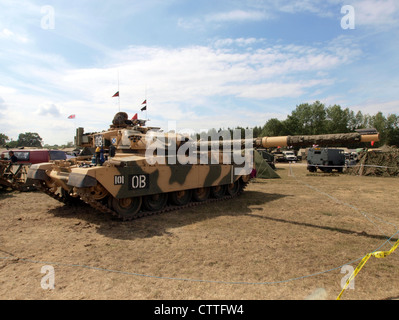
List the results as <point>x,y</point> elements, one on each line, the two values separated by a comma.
<point>29,140</point>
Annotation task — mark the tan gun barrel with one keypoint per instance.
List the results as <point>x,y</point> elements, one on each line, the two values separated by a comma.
<point>339,139</point>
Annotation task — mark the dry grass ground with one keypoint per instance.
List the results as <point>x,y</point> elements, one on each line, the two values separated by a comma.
<point>282,239</point>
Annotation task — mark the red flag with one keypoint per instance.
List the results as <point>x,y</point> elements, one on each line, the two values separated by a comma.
<point>145,102</point>
<point>135,117</point>
<point>72,116</point>
<point>116,95</point>
<point>372,143</point>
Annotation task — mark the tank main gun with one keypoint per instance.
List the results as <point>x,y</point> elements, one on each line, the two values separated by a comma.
<point>338,139</point>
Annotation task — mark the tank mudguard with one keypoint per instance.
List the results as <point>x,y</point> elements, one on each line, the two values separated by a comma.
<point>81,180</point>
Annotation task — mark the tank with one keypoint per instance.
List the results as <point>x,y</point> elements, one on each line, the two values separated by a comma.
<point>136,170</point>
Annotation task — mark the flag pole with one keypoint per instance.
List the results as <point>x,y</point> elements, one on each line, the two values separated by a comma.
<point>119,96</point>
<point>146,109</point>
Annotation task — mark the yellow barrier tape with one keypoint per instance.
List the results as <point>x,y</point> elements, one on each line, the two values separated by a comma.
<point>377,254</point>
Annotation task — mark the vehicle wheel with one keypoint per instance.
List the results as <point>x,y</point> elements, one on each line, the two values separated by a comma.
<point>127,207</point>
<point>218,191</point>
<point>98,192</point>
<point>180,198</point>
<point>201,194</point>
<point>155,202</point>
<point>233,188</point>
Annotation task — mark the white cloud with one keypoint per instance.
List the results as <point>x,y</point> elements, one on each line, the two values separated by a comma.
<point>373,13</point>
<point>236,16</point>
<point>9,35</point>
<point>372,107</point>
<point>376,13</point>
<point>241,42</point>
<point>231,16</point>
<point>49,110</point>
<point>274,7</point>
<point>3,106</point>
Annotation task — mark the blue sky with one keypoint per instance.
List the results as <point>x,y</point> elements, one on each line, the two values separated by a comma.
<point>200,64</point>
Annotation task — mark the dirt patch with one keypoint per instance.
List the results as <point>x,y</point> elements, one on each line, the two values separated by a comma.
<point>282,239</point>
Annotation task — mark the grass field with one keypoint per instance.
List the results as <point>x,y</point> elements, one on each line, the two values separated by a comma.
<point>283,239</point>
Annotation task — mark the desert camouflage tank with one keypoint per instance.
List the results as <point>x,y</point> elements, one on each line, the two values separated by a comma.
<point>146,171</point>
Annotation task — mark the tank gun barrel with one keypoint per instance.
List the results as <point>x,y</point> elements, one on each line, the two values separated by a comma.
<point>339,139</point>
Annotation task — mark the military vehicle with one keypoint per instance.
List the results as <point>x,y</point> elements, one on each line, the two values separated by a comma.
<point>325,159</point>
<point>140,170</point>
<point>14,175</point>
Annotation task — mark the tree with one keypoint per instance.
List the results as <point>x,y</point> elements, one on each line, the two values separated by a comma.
<point>307,119</point>
<point>29,139</point>
<point>273,128</point>
<point>3,139</point>
<point>338,120</point>
<point>393,130</point>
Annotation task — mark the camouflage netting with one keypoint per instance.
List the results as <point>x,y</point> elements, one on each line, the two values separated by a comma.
<point>383,163</point>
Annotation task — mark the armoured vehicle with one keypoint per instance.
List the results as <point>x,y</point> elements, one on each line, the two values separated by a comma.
<point>140,170</point>
<point>326,159</point>
<point>14,175</point>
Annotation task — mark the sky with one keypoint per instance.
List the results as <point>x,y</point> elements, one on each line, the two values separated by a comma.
<point>199,64</point>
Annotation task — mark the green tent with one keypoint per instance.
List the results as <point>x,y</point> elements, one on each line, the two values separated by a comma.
<point>263,169</point>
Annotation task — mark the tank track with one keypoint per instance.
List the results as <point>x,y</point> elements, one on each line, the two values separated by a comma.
<point>97,205</point>
<point>41,186</point>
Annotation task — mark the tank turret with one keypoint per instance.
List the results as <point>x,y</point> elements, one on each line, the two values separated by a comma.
<point>139,170</point>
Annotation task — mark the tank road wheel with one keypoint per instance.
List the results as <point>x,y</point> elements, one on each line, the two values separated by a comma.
<point>201,194</point>
<point>233,188</point>
<point>127,208</point>
<point>155,202</point>
<point>98,192</point>
<point>218,191</point>
<point>180,198</point>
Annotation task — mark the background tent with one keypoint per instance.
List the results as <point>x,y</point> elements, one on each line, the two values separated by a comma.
<point>263,169</point>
